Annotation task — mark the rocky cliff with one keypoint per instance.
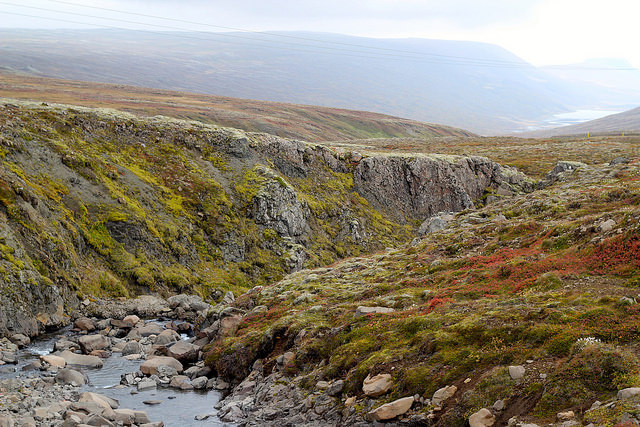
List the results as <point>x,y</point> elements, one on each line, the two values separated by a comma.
<point>96,202</point>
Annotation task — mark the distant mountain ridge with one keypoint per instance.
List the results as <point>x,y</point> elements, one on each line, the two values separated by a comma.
<point>475,86</point>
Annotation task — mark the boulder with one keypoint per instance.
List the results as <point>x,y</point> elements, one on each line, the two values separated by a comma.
<point>335,388</point>
<point>184,352</point>
<point>181,382</point>
<point>104,401</point>
<point>70,377</point>
<point>482,418</point>
<point>200,383</point>
<point>81,359</point>
<point>391,410</point>
<point>85,324</point>
<point>150,366</point>
<point>20,340</point>
<point>146,384</point>
<point>229,325</point>
<point>125,417</point>
<point>363,311</point>
<point>441,395</point>
<point>150,328</point>
<point>131,319</point>
<point>628,393</point>
<point>168,336</point>
<point>97,420</point>
<point>132,347</point>
<point>378,385</point>
<point>89,343</point>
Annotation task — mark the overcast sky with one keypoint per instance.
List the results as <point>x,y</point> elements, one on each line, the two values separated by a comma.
<point>542,32</point>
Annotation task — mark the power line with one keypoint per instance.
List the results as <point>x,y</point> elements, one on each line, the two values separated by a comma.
<point>453,60</point>
<point>288,36</point>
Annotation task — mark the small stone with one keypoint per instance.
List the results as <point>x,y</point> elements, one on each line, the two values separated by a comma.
<point>377,385</point>
<point>467,381</point>
<point>363,311</point>
<point>517,372</point>
<point>441,395</point>
<point>607,226</point>
<point>482,418</point>
<point>322,385</point>
<point>566,416</point>
<point>392,410</point>
<point>335,388</point>
<point>499,405</point>
<point>152,402</point>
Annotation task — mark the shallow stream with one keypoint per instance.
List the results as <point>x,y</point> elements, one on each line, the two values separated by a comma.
<point>177,408</point>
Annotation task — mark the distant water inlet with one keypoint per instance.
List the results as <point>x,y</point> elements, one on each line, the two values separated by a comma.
<point>571,118</point>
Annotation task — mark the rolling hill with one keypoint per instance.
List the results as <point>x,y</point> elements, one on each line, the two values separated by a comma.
<point>475,86</point>
<point>287,120</point>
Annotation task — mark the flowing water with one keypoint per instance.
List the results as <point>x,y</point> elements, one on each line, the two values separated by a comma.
<point>177,408</point>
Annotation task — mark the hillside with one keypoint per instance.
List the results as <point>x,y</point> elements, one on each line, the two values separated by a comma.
<point>287,120</point>
<point>413,281</point>
<point>523,312</point>
<point>628,121</point>
<point>429,83</point>
<point>99,202</point>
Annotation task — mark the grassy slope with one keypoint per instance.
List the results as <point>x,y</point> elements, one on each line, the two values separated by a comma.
<point>530,278</point>
<point>113,205</point>
<point>287,120</point>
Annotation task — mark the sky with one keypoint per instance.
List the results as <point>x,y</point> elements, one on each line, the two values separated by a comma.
<point>543,32</point>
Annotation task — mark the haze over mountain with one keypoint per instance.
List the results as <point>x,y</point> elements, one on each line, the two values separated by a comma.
<point>628,121</point>
<point>475,86</point>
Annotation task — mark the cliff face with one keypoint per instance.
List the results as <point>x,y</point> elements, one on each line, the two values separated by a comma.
<point>102,203</point>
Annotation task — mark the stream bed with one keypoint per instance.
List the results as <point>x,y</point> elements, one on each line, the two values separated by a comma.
<point>176,408</point>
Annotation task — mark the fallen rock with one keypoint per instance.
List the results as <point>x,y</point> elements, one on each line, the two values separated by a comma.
<point>393,409</point>
<point>363,311</point>
<point>335,388</point>
<point>150,366</point>
<point>517,372</point>
<point>607,226</point>
<point>441,395</point>
<point>482,418</point>
<point>378,385</point>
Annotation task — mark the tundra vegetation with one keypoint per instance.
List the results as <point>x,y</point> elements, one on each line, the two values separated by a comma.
<point>97,203</point>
